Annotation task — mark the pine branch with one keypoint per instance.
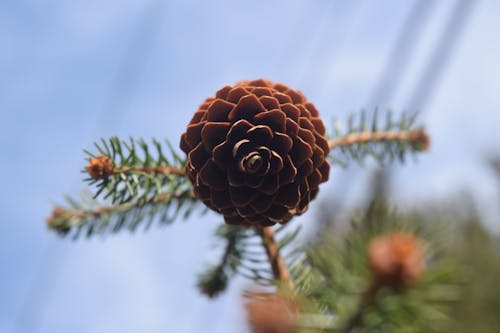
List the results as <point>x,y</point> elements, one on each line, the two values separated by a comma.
<point>93,218</point>
<point>245,255</point>
<point>155,170</point>
<point>367,301</point>
<point>415,138</point>
<point>136,186</point>
<point>351,295</point>
<point>125,171</point>
<point>385,142</point>
<point>214,280</point>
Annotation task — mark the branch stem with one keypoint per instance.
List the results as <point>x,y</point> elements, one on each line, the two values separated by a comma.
<point>278,266</point>
<point>367,301</point>
<point>152,170</point>
<point>112,209</point>
<point>63,218</point>
<point>414,137</point>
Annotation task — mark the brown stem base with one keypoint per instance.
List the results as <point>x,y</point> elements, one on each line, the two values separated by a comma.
<point>280,271</point>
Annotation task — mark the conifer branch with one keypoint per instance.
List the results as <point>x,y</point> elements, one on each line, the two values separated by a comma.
<point>368,300</point>
<point>214,280</point>
<point>279,268</point>
<point>244,255</point>
<point>387,141</point>
<point>94,218</point>
<point>416,138</point>
<point>154,170</point>
<point>125,171</point>
<point>359,285</point>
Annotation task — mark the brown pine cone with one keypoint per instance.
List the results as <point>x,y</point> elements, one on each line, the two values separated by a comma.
<point>396,260</point>
<point>256,153</point>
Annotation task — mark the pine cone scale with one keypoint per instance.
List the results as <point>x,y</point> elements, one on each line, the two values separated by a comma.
<point>260,134</point>
<point>193,133</point>
<point>247,108</point>
<point>238,129</point>
<point>214,134</point>
<point>236,94</point>
<point>288,173</point>
<point>218,110</point>
<point>213,177</point>
<point>269,102</point>
<point>300,151</point>
<point>198,157</point>
<point>241,196</point>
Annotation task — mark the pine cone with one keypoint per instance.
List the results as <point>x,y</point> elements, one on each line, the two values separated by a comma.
<point>256,153</point>
<point>396,260</point>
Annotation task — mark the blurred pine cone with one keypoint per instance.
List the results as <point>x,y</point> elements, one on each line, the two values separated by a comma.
<point>396,260</point>
<point>256,153</point>
<point>272,313</point>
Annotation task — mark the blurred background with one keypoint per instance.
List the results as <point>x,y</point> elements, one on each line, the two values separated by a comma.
<point>75,71</point>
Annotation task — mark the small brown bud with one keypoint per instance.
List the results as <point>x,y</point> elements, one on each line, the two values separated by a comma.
<point>271,313</point>
<point>420,140</point>
<point>56,213</point>
<point>55,222</point>
<point>100,167</point>
<point>396,260</point>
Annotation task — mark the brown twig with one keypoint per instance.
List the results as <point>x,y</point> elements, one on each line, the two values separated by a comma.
<point>153,170</point>
<point>102,167</point>
<point>418,138</point>
<point>280,271</point>
<point>60,219</point>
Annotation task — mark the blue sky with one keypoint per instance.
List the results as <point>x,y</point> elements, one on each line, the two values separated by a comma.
<point>73,71</point>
